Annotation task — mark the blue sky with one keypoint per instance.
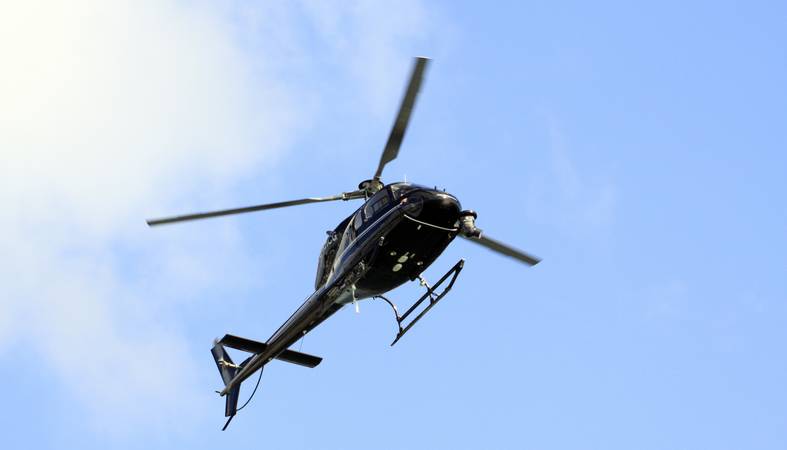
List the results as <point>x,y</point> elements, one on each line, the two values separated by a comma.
<point>638,149</point>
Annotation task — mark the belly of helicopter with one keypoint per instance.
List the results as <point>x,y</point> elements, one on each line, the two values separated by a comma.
<point>407,250</point>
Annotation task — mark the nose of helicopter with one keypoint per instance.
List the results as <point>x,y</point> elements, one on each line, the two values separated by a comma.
<point>436,207</point>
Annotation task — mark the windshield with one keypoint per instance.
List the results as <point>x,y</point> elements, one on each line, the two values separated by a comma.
<point>398,189</point>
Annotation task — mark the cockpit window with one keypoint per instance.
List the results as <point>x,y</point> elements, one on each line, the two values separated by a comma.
<point>377,203</point>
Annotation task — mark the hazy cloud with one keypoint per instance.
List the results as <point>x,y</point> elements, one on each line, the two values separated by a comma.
<point>572,197</point>
<point>112,110</point>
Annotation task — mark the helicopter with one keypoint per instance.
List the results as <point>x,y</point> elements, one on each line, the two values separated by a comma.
<point>392,238</point>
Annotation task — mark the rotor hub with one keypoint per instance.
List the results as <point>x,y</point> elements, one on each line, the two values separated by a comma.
<point>371,187</point>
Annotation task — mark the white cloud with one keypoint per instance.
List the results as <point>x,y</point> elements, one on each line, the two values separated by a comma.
<point>111,110</point>
<point>366,38</point>
<point>370,41</point>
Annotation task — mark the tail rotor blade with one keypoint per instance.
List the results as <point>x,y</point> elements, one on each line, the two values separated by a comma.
<point>403,117</point>
<point>247,209</point>
<point>504,249</point>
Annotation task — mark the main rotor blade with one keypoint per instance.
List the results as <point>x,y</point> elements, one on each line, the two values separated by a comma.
<point>227,212</point>
<point>504,249</point>
<point>406,108</point>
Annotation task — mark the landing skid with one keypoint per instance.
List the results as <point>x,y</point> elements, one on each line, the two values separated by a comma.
<point>430,294</point>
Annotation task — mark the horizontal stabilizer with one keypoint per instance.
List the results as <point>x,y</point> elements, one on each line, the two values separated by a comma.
<point>302,359</point>
<point>239,343</point>
<point>290,356</point>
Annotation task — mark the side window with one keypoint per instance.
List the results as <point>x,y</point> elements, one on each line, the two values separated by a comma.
<point>380,204</point>
<point>358,222</point>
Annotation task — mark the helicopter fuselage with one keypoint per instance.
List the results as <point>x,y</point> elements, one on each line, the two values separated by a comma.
<point>391,239</point>
<point>396,234</point>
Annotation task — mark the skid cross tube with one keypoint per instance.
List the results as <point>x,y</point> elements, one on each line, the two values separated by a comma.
<point>430,294</point>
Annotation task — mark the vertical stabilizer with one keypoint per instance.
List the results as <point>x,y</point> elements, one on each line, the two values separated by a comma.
<point>227,370</point>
